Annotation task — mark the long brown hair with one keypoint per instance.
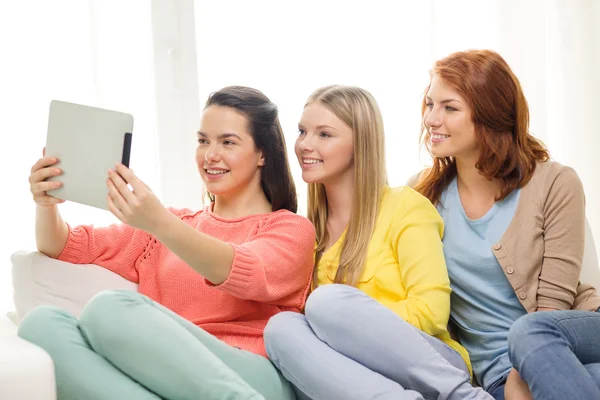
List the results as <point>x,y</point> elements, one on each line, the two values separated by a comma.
<point>500,115</point>
<point>263,119</point>
<point>359,110</point>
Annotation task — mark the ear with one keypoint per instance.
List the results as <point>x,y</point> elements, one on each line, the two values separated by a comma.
<point>261,160</point>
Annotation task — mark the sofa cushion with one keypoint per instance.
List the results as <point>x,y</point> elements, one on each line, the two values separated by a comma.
<point>39,279</point>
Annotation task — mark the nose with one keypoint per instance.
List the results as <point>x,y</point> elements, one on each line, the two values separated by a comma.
<point>432,118</point>
<point>305,144</point>
<point>212,154</point>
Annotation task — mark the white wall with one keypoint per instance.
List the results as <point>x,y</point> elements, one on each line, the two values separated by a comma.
<point>96,52</point>
<point>160,59</point>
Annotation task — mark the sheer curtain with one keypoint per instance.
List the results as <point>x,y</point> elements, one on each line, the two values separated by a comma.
<point>93,52</point>
<point>388,47</point>
<point>160,59</point>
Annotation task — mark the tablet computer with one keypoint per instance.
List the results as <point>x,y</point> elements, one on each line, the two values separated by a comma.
<point>87,141</point>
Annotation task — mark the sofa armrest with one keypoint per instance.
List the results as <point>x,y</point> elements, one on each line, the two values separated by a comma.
<point>41,280</point>
<point>26,371</point>
<point>590,267</point>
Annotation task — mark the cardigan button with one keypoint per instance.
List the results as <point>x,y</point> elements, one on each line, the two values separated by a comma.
<point>522,295</point>
<point>498,246</point>
<point>510,270</point>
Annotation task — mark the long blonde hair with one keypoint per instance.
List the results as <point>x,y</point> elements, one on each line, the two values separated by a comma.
<point>359,110</point>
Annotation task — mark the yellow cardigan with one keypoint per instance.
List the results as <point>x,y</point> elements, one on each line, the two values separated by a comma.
<point>405,269</point>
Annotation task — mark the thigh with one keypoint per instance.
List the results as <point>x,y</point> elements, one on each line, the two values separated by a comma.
<point>319,371</point>
<point>449,354</point>
<point>256,370</point>
<point>363,330</point>
<point>594,371</point>
<point>157,346</point>
<point>356,325</point>
<point>80,372</point>
<point>579,328</point>
<point>498,392</point>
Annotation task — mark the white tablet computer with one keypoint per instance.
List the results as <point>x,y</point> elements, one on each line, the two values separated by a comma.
<point>87,141</point>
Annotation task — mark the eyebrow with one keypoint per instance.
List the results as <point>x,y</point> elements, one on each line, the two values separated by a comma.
<point>444,101</point>
<point>319,127</point>
<point>221,136</point>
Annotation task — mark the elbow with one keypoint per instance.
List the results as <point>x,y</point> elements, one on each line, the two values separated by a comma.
<point>47,251</point>
<point>555,296</point>
<point>436,320</point>
<point>440,327</point>
<point>436,323</point>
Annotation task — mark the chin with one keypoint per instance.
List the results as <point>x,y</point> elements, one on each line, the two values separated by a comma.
<point>439,153</point>
<point>310,178</point>
<point>216,189</point>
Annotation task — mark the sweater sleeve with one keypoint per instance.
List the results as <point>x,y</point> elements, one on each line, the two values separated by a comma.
<point>116,248</point>
<point>276,265</point>
<point>564,235</point>
<point>417,234</point>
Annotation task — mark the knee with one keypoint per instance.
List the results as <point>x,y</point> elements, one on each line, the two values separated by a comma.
<point>41,324</point>
<point>106,306</point>
<point>330,302</point>
<point>280,334</point>
<point>523,331</point>
<point>106,312</point>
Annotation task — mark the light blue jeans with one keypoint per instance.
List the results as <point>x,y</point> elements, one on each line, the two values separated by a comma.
<point>557,353</point>
<point>126,346</point>
<point>349,346</point>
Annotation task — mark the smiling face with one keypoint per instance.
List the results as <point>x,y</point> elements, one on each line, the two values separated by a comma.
<point>325,145</point>
<point>227,158</point>
<point>451,132</point>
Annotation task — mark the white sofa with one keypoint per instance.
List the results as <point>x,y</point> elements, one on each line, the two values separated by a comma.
<point>26,371</point>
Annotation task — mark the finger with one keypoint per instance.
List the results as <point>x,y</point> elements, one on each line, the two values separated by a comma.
<point>42,187</point>
<point>114,210</point>
<point>44,152</point>
<point>121,186</point>
<point>130,177</point>
<point>43,162</point>
<point>43,174</point>
<point>117,198</point>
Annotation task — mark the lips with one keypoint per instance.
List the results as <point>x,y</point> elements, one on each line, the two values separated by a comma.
<point>311,161</point>
<point>212,171</point>
<point>215,173</point>
<point>438,137</point>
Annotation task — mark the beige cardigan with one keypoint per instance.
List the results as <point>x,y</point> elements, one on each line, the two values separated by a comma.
<point>542,249</point>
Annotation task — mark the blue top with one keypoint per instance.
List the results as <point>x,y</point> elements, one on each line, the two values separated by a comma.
<point>484,304</point>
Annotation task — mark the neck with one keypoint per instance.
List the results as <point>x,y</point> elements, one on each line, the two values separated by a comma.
<point>470,180</point>
<point>339,198</point>
<point>249,201</point>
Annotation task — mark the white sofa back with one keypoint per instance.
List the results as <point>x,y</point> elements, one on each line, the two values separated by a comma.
<point>39,279</point>
<point>590,267</point>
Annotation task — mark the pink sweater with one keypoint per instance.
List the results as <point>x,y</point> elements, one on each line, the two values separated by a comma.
<point>271,270</point>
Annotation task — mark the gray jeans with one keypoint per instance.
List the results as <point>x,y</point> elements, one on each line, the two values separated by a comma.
<point>349,346</point>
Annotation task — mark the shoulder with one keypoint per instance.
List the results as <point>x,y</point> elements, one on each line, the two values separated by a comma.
<point>287,217</point>
<point>187,215</point>
<point>416,178</point>
<point>406,204</point>
<point>552,178</point>
<point>183,212</point>
<point>287,220</point>
<point>403,195</point>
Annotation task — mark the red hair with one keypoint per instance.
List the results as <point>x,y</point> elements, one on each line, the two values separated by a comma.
<point>500,114</point>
